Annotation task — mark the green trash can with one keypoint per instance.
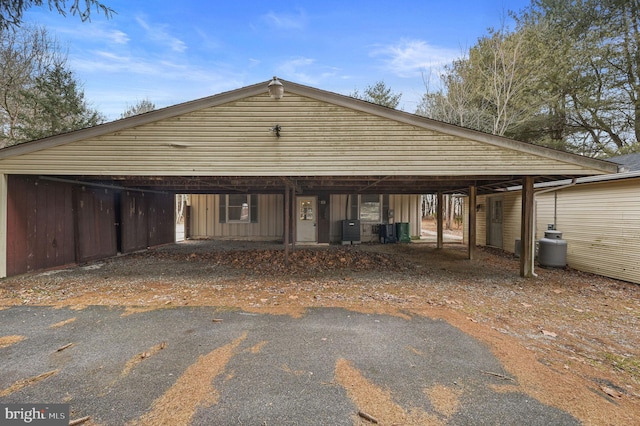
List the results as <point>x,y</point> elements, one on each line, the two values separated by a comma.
<point>403,233</point>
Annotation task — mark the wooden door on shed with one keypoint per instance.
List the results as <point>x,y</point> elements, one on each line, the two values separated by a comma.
<point>134,221</point>
<point>95,220</point>
<point>40,228</point>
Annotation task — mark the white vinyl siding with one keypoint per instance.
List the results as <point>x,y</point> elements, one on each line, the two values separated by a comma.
<point>481,220</point>
<point>600,222</point>
<point>317,138</point>
<point>205,220</point>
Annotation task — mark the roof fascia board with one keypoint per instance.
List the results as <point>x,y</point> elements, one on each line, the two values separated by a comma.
<point>581,180</point>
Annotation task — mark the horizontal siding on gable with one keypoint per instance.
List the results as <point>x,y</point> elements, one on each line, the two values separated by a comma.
<point>317,138</point>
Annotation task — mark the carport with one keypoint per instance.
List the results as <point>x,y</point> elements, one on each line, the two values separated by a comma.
<point>95,192</point>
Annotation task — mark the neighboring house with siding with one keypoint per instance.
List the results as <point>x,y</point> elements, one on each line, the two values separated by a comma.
<point>599,217</point>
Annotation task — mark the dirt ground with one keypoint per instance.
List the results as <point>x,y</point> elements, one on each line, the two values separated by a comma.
<point>571,339</point>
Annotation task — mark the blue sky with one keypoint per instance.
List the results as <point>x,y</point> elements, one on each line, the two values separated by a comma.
<point>172,51</point>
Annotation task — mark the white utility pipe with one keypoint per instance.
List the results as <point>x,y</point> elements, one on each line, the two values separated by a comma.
<point>535,213</point>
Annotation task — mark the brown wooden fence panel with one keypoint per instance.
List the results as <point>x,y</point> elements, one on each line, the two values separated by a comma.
<point>162,227</point>
<point>40,229</point>
<point>133,221</point>
<point>147,220</point>
<point>52,223</point>
<point>95,221</point>
<point>17,252</point>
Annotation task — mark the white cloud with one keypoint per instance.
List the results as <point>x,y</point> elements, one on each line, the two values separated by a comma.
<point>207,41</point>
<point>95,32</point>
<point>298,69</point>
<point>109,62</point>
<point>164,84</point>
<point>160,34</point>
<point>143,23</point>
<point>142,68</point>
<point>286,21</point>
<point>293,64</point>
<point>118,37</point>
<point>410,58</point>
<point>307,71</point>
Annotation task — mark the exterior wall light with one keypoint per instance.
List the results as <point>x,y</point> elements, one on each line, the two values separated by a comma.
<point>276,89</point>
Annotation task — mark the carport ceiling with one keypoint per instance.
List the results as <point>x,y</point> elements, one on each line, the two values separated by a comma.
<point>309,184</point>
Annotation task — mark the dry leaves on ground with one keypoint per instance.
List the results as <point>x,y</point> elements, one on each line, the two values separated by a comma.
<point>579,324</point>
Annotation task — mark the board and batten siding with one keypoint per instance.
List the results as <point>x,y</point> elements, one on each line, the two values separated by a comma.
<point>317,138</point>
<point>205,221</point>
<point>600,222</point>
<point>406,208</point>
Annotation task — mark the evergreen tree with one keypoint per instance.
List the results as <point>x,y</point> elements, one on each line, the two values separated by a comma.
<point>568,77</point>
<point>141,107</point>
<point>25,54</point>
<point>379,94</point>
<point>54,105</point>
<point>593,66</point>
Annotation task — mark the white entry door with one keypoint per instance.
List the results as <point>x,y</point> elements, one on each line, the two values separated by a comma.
<point>494,222</point>
<point>306,220</point>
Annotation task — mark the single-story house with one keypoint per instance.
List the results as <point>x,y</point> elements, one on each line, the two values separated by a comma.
<point>598,216</point>
<point>296,164</point>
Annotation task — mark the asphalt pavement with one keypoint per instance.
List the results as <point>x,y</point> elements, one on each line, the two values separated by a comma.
<point>269,369</point>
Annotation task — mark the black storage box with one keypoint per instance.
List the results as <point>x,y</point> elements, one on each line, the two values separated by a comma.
<point>388,233</point>
<point>350,232</point>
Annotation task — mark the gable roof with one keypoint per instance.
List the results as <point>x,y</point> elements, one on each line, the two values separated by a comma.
<point>329,142</point>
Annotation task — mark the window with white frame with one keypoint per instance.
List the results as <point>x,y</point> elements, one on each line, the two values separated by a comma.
<point>238,208</point>
<point>370,208</point>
